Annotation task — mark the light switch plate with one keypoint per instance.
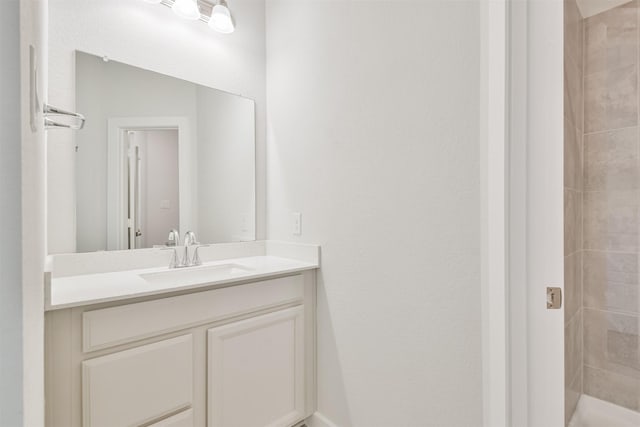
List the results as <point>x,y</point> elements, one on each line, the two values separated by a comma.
<point>296,223</point>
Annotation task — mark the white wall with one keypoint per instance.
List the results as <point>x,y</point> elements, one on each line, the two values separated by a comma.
<point>226,159</point>
<point>10,218</point>
<point>33,30</point>
<point>151,37</point>
<point>373,111</point>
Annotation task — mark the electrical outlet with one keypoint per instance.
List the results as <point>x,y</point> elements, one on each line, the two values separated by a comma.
<point>296,223</point>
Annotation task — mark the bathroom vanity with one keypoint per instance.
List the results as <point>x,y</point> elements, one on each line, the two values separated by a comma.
<point>227,343</point>
<point>139,332</point>
<point>166,139</point>
<point>130,341</point>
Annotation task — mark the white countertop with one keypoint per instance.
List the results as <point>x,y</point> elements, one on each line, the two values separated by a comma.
<point>85,289</point>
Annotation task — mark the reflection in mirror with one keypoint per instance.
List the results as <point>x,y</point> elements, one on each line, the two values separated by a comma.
<point>152,186</point>
<point>159,153</point>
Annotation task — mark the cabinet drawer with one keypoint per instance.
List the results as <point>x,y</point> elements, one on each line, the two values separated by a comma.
<point>138,386</point>
<point>118,325</point>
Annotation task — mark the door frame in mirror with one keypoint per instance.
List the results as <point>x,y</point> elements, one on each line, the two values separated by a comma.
<point>116,169</point>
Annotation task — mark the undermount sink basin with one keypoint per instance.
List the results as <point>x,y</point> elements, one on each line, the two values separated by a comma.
<point>180,276</point>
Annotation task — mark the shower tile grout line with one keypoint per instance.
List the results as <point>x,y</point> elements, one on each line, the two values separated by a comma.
<point>620,313</point>
<point>609,371</point>
<point>573,316</point>
<point>583,24</point>
<point>600,132</point>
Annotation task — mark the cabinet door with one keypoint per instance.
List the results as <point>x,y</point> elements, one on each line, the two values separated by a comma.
<point>138,386</point>
<point>256,371</point>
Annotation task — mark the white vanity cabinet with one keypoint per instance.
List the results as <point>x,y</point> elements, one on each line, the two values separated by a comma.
<point>242,355</point>
<point>259,360</point>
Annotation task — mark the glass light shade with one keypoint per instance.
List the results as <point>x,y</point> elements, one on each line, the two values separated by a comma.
<point>221,19</point>
<point>187,9</point>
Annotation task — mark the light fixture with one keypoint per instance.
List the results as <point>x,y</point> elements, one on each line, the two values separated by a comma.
<point>221,19</point>
<point>214,12</point>
<point>187,9</point>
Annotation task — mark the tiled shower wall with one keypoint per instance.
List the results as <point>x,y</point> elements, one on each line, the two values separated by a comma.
<point>573,195</point>
<point>611,301</point>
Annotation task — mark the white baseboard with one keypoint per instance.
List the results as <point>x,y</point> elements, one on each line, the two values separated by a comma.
<point>319,420</point>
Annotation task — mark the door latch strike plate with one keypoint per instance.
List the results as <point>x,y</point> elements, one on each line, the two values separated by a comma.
<point>554,298</point>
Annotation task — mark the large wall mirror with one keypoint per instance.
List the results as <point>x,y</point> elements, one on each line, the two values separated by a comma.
<point>158,153</point>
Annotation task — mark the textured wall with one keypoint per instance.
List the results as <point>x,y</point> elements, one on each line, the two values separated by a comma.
<point>611,207</point>
<point>10,218</point>
<point>373,124</point>
<point>33,30</point>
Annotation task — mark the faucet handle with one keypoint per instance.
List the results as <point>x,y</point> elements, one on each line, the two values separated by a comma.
<point>174,262</point>
<point>174,238</point>
<point>196,255</point>
<point>190,238</point>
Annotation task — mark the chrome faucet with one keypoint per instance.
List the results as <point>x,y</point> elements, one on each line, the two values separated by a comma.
<point>174,238</point>
<point>189,240</point>
<point>174,262</point>
<point>196,257</point>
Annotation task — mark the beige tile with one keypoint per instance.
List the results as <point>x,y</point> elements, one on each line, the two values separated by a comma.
<point>573,348</point>
<point>610,220</point>
<point>623,349</point>
<point>572,393</point>
<point>572,221</point>
<point>572,284</point>
<point>610,281</point>
<point>573,60</point>
<point>573,92</point>
<point>611,160</point>
<point>611,99</point>
<point>573,173</point>
<point>573,30</point>
<point>611,40</point>
<point>611,342</point>
<point>619,389</point>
